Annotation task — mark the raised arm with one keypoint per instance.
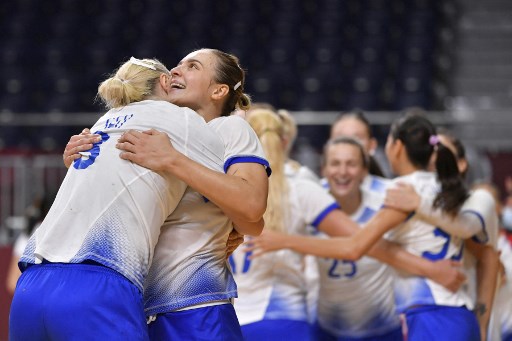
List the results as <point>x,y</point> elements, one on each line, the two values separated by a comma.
<point>349,248</point>
<point>241,193</point>
<point>465,224</point>
<point>443,272</point>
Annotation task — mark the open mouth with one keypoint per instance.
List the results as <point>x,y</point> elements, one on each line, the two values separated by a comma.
<point>177,86</point>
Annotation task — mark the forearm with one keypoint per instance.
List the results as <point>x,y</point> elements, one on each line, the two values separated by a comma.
<point>336,247</point>
<point>396,256</point>
<point>487,278</point>
<point>237,197</point>
<point>462,225</point>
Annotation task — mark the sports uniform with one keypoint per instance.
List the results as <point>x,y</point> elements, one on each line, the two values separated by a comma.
<point>190,283</point>
<point>356,299</point>
<point>432,312</point>
<point>90,256</point>
<point>477,219</point>
<point>503,302</point>
<point>272,295</point>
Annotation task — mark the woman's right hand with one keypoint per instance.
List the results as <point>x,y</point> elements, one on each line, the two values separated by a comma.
<point>78,143</point>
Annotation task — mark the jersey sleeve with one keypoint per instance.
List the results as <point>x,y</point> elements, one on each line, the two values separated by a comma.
<point>315,202</point>
<point>240,142</point>
<point>475,218</point>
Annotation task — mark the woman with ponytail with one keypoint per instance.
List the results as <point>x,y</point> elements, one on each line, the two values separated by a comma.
<point>272,297</point>
<point>189,283</point>
<point>475,220</point>
<point>432,312</point>
<point>85,266</point>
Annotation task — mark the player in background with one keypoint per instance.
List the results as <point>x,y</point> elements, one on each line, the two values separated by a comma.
<point>477,222</point>
<point>272,296</point>
<point>355,124</point>
<point>432,312</point>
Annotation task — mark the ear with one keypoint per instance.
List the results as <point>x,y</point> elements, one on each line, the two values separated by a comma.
<point>165,82</point>
<point>462,164</point>
<point>219,91</point>
<point>398,148</point>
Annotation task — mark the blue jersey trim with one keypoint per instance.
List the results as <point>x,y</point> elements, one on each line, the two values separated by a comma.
<point>366,215</point>
<point>377,185</point>
<point>476,237</point>
<point>247,159</point>
<point>324,213</point>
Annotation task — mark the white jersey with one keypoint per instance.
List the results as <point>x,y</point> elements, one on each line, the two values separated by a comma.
<point>356,298</point>
<point>427,241</point>
<point>293,169</point>
<point>110,210</point>
<point>502,310</point>
<point>190,266</point>
<point>481,204</point>
<point>272,286</point>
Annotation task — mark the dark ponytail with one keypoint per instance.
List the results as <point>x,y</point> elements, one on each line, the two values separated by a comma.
<point>453,189</point>
<point>419,137</point>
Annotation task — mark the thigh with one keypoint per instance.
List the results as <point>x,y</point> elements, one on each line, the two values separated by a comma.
<point>442,323</point>
<point>278,330</point>
<point>217,322</point>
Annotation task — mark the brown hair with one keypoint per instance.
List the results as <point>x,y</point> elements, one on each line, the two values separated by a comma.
<point>228,71</point>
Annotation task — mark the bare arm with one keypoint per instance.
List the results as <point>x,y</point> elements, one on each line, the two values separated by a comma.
<point>404,197</point>
<point>241,193</point>
<point>444,272</point>
<point>487,267</point>
<point>349,248</point>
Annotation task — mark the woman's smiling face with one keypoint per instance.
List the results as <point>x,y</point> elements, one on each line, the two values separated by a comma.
<point>192,79</point>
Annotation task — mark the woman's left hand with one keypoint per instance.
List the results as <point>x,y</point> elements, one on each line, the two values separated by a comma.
<point>268,241</point>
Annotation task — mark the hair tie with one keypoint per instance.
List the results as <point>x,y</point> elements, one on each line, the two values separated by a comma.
<point>237,85</point>
<point>433,140</point>
<point>139,62</point>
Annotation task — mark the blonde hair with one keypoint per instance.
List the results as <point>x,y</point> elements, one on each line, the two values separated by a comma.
<point>269,128</point>
<point>134,81</point>
<point>289,129</point>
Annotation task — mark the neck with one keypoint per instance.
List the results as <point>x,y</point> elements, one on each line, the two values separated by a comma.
<point>209,112</point>
<point>406,167</point>
<point>350,203</point>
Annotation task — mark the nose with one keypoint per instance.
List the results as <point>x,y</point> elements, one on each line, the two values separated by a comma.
<point>175,71</point>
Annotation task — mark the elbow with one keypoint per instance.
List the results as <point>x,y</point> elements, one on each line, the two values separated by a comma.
<point>254,210</point>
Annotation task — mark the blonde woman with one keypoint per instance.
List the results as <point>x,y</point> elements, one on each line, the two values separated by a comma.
<point>85,266</point>
<point>272,300</point>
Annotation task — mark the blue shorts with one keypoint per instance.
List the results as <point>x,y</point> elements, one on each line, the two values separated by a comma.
<point>441,323</point>
<point>278,330</point>
<point>216,323</point>
<point>393,335</point>
<point>76,302</point>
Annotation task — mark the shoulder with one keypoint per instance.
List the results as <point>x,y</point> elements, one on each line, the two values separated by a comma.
<point>230,122</point>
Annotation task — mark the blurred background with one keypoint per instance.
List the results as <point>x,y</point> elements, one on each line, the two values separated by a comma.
<point>315,58</point>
